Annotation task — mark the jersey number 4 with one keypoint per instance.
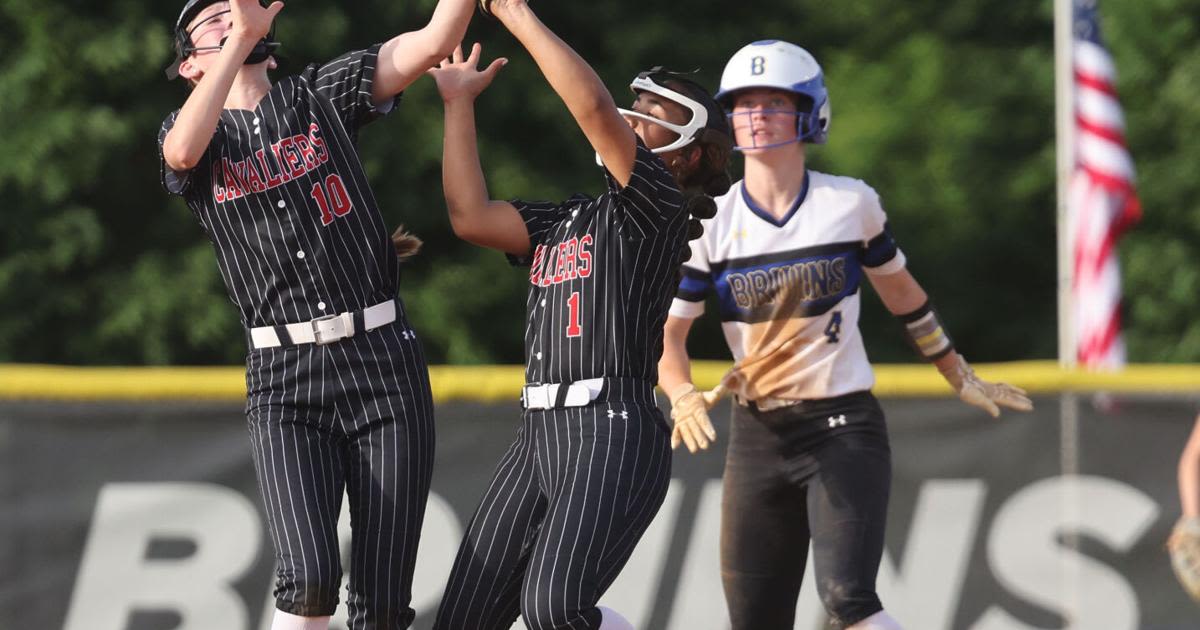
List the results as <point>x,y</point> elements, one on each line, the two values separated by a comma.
<point>835,327</point>
<point>332,199</point>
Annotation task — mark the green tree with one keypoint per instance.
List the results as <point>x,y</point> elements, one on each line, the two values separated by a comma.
<point>947,110</point>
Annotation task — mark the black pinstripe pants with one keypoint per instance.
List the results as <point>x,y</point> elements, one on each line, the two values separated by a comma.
<point>355,415</point>
<point>567,505</point>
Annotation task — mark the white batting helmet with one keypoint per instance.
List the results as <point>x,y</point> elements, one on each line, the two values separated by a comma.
<point>776,64</point>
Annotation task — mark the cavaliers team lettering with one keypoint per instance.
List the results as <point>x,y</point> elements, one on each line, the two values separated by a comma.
<point>291,158</point>
<point>555,264</point>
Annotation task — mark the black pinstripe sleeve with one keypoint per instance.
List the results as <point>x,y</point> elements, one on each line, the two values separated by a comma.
<point>346,81</point>
<point>650,200</point>
<point>540,217</point>
<point>175,182</point>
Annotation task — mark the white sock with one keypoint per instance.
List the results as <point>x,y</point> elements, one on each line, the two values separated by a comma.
<point>286,621</point>
<point>612,620</point>
<point>879,621</point>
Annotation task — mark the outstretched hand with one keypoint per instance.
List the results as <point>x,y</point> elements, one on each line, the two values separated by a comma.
<point>984,394</point>
<point>689,411</point>
<point>251,20</point>
<point>459,78</point>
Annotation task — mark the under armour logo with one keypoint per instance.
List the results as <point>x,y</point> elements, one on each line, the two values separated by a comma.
<point>408,334</point>
<point>839,420</point>
<point>612,414</point>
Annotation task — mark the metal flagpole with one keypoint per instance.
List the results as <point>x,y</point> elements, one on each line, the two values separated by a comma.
<point>1065,112</point>
<point>1064,81</point>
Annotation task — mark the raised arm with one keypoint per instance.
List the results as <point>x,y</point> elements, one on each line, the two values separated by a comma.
<point>197,121</point>
<point>577,85</point>
<point>474,217</point>
<point>405,57</point>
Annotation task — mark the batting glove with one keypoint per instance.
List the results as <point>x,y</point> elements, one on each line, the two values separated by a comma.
<point>980,393</point>
<point>714,395</point>
<point>689,411</point>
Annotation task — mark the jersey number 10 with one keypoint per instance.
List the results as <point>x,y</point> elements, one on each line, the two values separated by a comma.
<point>332,199</point>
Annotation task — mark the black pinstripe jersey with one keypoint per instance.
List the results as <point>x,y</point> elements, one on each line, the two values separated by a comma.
<point>282,196</point>
<point>602,275</point>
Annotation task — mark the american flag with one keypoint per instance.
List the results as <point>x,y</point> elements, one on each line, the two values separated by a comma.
<point>1102,202</point>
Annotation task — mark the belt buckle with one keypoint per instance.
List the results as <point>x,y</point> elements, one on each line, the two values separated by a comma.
<point>771,404</point>
<point>536,396</point>
<point>331,328</point>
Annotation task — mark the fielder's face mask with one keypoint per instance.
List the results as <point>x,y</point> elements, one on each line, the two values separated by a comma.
<point>185,46</point>
<point>688,132</point>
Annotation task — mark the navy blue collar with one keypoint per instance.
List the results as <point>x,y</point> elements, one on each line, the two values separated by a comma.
<point>767,216</point>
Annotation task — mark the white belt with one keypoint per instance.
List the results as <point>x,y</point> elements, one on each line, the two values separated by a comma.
<point>545,396</point>
<point>323,330</point>
<point>767,404</point>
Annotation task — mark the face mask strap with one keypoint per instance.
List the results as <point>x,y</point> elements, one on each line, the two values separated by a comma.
<point>206,21</point>
<point>733,128</point>
<point>687,133</point>
<point>261,51</point>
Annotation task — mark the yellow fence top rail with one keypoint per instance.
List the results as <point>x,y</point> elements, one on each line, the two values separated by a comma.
<point>489,383</point>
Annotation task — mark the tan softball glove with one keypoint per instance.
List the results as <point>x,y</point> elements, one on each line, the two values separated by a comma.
<point>983,394</point>
<point>1184,548</point>
<point>689,411</point>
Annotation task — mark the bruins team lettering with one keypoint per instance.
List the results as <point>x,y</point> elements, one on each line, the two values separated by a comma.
<point>568,260</point>
<point>805,281</point>
<point>290,158</point>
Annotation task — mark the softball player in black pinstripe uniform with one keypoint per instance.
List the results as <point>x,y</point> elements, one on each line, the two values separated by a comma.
<point>591,462</point>
<point>338,391</point>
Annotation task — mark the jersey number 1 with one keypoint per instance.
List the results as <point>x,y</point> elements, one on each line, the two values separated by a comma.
<point>573,327</point>
<point>332,199</point>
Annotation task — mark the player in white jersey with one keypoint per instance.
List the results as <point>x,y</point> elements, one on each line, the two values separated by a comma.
<point>785,254</point>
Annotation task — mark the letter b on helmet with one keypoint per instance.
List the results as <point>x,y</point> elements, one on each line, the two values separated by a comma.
<point>779,65</point>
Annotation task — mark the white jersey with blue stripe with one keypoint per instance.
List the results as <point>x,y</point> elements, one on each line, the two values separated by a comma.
<point>788,289</point>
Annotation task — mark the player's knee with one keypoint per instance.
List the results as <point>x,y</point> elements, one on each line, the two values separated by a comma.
<point>847,602</point>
